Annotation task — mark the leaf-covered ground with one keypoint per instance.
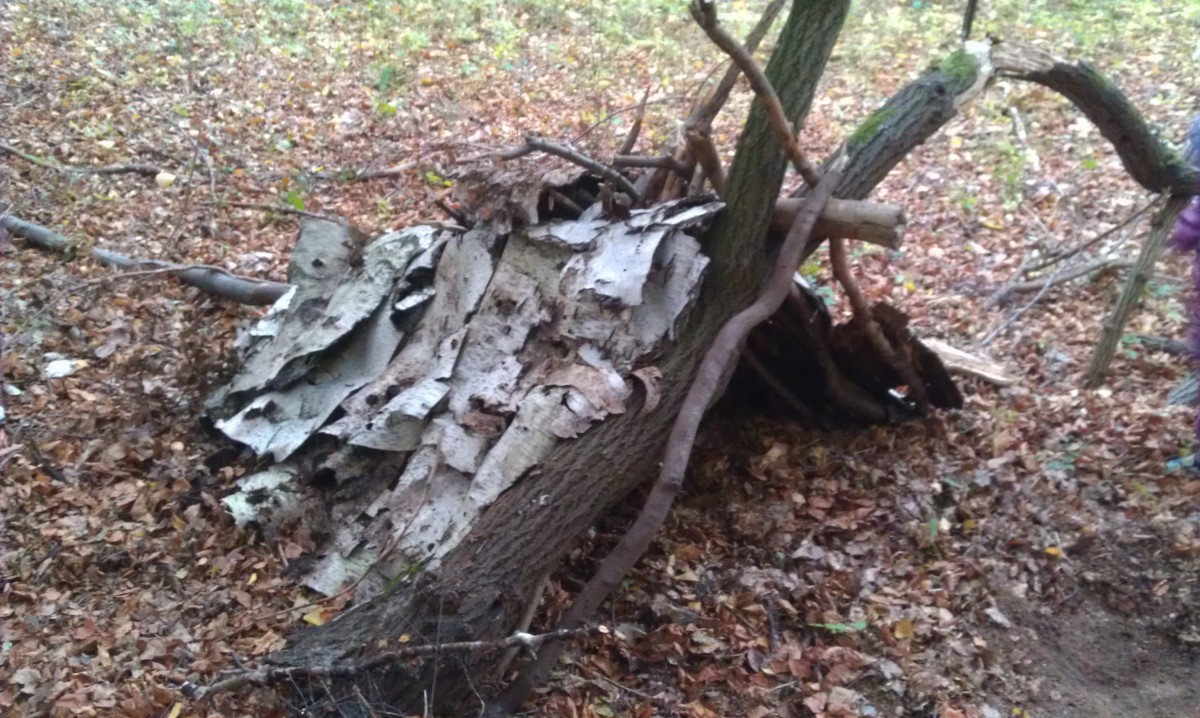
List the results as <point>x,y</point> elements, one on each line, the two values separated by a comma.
<point>1029,555</point>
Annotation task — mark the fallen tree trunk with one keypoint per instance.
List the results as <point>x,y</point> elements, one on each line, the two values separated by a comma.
<point>527,338</point>
<point>448,408</point>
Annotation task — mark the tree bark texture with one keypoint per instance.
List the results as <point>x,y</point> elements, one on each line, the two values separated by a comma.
<point>479,589</point>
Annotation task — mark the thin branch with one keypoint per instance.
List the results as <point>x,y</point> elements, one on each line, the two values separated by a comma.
<point>667,163</point>
<point>277,208</point>
<point>705,14</point>
<point>718,361</point>
<point>264,676</point>
<point>701,146</point>
<point>636,128</point>
<point>617,113</point>
<point>140,169</point>
<point>705,114</point>
<point>533,143</point>
<point>895,357</point>
<point>1055,259</point>
<point>366,174</point>
<point>213,280</point>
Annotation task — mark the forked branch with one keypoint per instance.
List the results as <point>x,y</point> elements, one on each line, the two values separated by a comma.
<point>704,13</point>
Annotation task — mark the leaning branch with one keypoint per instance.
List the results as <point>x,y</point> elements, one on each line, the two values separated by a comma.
<point>1146,158</point>
<point>209,279</point>
<point>140,169</point>
<point>718,361</point>
<point>704,12</point>
<point>534,143</point>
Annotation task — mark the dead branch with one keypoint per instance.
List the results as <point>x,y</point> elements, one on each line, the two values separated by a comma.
<point>262,676</point>
<point>1055,259</point>
<point>1082,270</point>
<point>872,222</point>
<point>636,128</point>
<point>1146,158</point>
<point>212,280</point>
<point>668,163</point>
<point>278,209</point>
<point>1114,324</point>
<point>715,367</point>
<point>140,169</point>
<point>654,185</point>
<point>704,115</point>
<point>704,12</point>
<point>367,174</point>
<point>533,143</point>
<point>700,145</point>
<point>862,314</point>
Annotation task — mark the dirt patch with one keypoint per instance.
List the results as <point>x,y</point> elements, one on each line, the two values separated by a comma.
<point>1120,642</point>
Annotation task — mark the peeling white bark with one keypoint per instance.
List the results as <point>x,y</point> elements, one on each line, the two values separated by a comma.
<point>509,357</point>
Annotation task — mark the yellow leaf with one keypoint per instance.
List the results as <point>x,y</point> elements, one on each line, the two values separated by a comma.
<point>956,142</point>
<point>178,522</point>
<point>252,579</point>
<point>404,638</point>
<point>903,628</point>
<point>1055,551</point>
<point>315,617</point>
<point>164,180</point>
<point>175,710</point>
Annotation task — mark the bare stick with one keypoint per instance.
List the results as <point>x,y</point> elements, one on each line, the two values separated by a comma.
<point>533,143</point>
<point>705,14</point>
<point>705,114</point>
<point>213,280</point>
<point>286,673</point>
<point>617,113</point>
<point>634,130</point>
<point>718,361</point>
<point>1114,324</point>
<point>1028,305</point>
<point>1094,241</point>
<point>366,174</point>
<point>701,146</point>
<point>862,314</point>
<point>140,169</point>
<point>281,210</point>
<point>667,163</point>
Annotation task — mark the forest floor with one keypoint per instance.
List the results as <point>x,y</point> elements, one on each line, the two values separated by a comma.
<point>1033,554</point>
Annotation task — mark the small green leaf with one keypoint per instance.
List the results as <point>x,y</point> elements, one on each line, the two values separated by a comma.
<point>295,200</point>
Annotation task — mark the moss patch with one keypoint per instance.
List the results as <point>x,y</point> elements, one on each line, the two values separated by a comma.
<point>871,125</point>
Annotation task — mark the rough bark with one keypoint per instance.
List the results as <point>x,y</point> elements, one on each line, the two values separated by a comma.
<point>479,589</point>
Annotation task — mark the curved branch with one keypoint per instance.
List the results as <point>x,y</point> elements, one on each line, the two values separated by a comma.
<point>533,143</point>
<point>704,12</point>
<point>1146,158</point>
<point>212,280</point>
